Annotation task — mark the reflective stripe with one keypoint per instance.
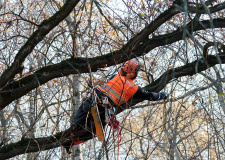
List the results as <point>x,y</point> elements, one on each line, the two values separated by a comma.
<point>114,93</point>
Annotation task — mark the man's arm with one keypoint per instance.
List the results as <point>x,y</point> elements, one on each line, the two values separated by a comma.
<point>151,96</point>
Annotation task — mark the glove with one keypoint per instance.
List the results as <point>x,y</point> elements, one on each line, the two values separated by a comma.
<point>159,96</point>
<point>165,95</point>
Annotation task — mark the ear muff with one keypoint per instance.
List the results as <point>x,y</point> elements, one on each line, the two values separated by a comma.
<point>121,72</point>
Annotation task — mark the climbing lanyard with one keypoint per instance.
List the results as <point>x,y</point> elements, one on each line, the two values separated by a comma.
<point>110,119</point>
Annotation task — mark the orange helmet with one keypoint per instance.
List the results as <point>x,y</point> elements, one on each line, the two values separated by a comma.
<point>129,69</point>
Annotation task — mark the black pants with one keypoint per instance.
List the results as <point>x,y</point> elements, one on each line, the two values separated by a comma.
<point>82,112</point>
<point>85,109</point>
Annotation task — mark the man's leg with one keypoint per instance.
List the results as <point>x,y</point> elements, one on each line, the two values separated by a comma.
<point>79,119</point>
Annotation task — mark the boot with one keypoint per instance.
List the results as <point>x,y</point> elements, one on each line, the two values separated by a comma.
<point>77,122</point>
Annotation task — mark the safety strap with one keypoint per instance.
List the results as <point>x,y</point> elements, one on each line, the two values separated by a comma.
<point>115,125</point>
<point>111,119</point>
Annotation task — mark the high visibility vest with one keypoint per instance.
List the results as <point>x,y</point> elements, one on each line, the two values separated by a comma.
<point>119,89</point>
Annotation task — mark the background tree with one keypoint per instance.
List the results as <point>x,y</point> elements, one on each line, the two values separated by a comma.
<point>180,45</point>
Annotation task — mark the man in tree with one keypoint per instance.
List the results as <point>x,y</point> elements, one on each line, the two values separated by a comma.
<point>117,92</point>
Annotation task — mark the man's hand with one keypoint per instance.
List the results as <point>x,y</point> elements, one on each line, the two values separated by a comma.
<point>165,95</point>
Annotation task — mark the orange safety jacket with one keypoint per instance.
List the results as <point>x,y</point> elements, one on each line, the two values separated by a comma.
<point>119,89</point>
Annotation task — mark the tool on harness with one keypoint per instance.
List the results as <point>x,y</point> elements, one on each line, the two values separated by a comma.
<point>108,111</point>
<point>96,117</point>
<point>105,102</point>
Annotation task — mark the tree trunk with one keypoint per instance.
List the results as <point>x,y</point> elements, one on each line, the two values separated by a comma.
<point>76,100</point>
<point>31,131</point>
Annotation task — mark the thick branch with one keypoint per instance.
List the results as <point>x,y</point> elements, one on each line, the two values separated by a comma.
<point>34,145</point>
<point>47,25</point>
<point>144,34</point>
<point>202,10</point>
<point>44,28</point>
<point>28,145</point>
<point>188,69</point>
<point>79,65</point>
<point>72,66</point>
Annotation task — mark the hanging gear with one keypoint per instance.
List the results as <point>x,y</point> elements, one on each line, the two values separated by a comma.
<point>110,118</point>
<point>114,124</point>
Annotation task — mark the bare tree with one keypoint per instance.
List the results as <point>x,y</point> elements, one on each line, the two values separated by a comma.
<point>44,42</point>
